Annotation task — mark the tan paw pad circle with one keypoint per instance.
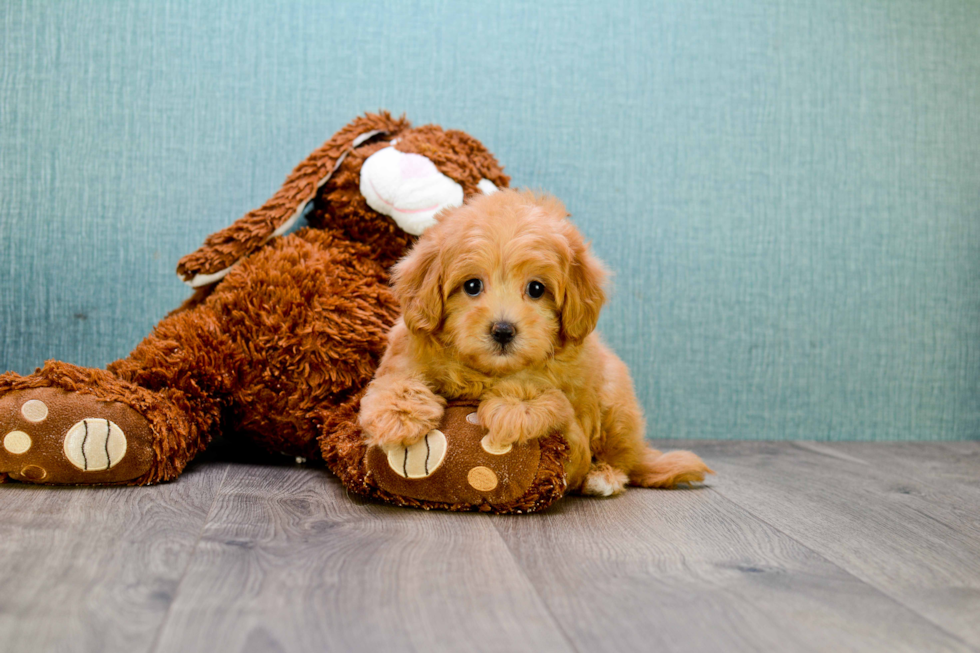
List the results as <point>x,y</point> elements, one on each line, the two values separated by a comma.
<point>34,473</point>
<point>17,442</point>
<point>95,444</point>
<point>489,447</point>
<point>34,410</point>
<point>482,479</point>
<point>422,458</point>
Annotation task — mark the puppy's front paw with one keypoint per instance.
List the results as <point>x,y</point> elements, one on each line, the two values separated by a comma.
<point>511,419</point>
<point>399,415</point>
<point>504,419</point>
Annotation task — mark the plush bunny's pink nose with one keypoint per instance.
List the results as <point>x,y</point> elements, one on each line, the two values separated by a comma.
<point>413,166</point>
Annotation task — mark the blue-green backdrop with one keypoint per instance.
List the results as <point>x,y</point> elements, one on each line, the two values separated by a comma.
<point>787,190</point>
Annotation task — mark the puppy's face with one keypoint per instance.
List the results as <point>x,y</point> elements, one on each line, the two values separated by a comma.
<point>503,282</point>
<point>502,316</point>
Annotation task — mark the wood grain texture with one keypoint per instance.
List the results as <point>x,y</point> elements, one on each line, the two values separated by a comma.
<point>691,571</point>
<point>289,562</point>
<point>95,569</point>
<point>934,464</point>
<point>910,534</point>
<point>792,547</point>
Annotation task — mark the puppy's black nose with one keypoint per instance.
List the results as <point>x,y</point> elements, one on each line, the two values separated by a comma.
<point>503,332</point>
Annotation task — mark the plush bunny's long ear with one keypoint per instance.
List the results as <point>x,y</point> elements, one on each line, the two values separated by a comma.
<point>222,250</point>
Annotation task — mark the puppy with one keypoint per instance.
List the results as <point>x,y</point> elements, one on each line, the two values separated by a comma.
<point>500,301</point>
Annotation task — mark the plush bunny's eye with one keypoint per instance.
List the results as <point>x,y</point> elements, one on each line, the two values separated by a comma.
<point>535,289</point>
<point>473,287</point>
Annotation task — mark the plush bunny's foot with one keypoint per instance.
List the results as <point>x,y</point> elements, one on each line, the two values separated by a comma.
<point>50,435</point>
<point>454,467</point>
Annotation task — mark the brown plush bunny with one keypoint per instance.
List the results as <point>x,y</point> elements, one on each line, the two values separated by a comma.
<point>280,337</point>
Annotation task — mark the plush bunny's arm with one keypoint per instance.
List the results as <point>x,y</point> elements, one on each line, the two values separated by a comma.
<point>222,250</point>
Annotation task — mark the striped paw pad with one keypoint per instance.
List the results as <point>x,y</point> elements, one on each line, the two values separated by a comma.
<point>420,459</point>
<point>34,410</point>
<point>95,444</point>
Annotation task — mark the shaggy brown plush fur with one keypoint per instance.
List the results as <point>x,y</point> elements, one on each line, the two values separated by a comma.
<point>281,345</point>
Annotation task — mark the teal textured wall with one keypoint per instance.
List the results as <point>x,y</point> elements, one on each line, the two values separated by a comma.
<point>788,191</point>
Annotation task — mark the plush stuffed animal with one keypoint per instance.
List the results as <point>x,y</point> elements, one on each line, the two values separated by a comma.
<point>451,468</point>
<point>280,336</point>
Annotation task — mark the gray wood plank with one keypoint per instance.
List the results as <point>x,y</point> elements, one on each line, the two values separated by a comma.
<point>914,538</point>
<point>289,562</point>
<point>691,571</point>
<point>933,463</point>
<point>95,569</point>
<point>944,476</point>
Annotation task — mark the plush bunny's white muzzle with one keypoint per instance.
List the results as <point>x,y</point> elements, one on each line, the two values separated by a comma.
<point>408,188</point>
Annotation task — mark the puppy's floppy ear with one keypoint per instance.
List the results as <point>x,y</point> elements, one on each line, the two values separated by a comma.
<point>417,283</point>
<point>584,293</point>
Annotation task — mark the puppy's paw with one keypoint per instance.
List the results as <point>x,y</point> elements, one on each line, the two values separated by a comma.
<point>504,418</point>
<point>399,415</point>
<point>604,480</point>
<point>404,427</point>
<point>513,419</point>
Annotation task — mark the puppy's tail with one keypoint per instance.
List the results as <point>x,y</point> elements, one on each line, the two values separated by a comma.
<point>666,470</point>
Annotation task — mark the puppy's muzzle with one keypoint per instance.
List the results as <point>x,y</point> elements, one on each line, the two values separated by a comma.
<point>503,332</point>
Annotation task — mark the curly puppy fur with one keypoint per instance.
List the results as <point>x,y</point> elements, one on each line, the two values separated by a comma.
<point>549,371</point>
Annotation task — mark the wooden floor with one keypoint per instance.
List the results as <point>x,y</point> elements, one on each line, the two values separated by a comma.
<point>792,547</point>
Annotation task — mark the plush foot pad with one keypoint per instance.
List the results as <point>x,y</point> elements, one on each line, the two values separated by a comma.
<point>49,435</point>
<point>454,467</point>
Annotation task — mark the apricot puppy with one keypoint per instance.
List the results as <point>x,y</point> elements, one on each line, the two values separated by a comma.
<point>500,301</point>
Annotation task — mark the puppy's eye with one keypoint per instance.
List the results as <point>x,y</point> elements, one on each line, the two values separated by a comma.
<point>473,287</point>
<point>535,290</point>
